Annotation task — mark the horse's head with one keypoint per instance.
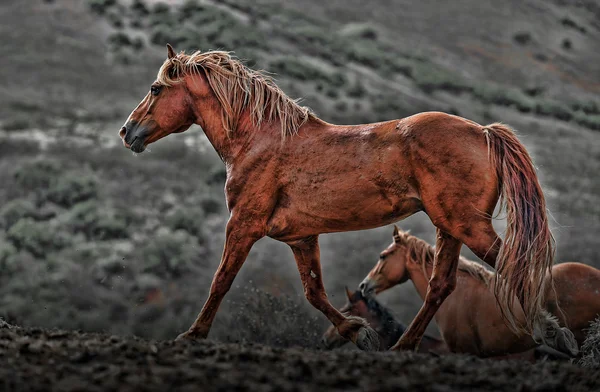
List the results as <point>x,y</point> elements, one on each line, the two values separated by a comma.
<point>391,269</point>
<point>356,305</point>
<point>167,108</point>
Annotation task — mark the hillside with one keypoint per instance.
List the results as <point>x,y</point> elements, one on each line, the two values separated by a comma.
<point>94,238</point>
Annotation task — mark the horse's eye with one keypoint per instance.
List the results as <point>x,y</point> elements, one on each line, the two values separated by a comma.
<point>154,90</point>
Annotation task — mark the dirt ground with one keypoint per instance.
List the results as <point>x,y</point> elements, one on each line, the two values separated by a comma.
<point>53,360</point>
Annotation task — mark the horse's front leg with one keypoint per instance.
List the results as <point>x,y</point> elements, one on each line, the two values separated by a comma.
<point>441,285</point>
<point>355,329</point>
<point>238,242</point>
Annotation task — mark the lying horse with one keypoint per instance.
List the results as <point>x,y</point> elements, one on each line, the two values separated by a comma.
<point>382,321</point>
<point>292,176</point>
<point>470,320</point>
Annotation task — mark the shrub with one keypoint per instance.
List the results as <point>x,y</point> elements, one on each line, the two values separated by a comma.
<point>357,90</point>
<point>587,107</point>
<point>504,97</point>
<point>430,78</point>
<point>18,123</point>
<point>72,188</point>
<point>170,254</point>
<point>188,219</point>
<point>590,349</point>
<point>100,6</point>
<point>97,223</point>
<point>139,8</point>
<point>14,210</point>
<point>211,205</point>
<point>38,238</point>
<point>588,121</point>
<point>37,175</point>
<point>522,38</point>
<point>341,106</point>
<point>548,108</point>
<point>300,70</point>
<point>160,8</point>
<point>359,30</point>
<point>19,148</point>
<point>7,251</point>
<point>119,39</point>
<point>115,20</point>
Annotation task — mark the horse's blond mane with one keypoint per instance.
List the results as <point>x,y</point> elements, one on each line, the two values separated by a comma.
<point>422,253</point>
<point>238,88</point>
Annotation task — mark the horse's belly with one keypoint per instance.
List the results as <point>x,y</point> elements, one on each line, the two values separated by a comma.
<point>312,212</point>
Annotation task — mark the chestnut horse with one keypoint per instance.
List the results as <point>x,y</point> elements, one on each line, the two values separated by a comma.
<point>292,176</point>
<point>470,320</point>
<point>381,320</point>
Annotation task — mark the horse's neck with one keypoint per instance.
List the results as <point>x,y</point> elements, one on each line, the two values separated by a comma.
<point>390,329</point>
<point>247,135</point>
<point>420,279</point>
<point>227,146</point>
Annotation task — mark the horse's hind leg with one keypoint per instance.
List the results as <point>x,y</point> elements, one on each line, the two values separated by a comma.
<point>355,329</point>
<point>441,285</point>
<point>481,238</point>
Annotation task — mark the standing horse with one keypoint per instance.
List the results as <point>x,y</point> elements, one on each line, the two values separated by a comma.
<point>292,176</point>
<point>381,320</point>
<point>470,320</point>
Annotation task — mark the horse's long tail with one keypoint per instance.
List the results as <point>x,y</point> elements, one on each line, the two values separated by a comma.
<point>527,252</point>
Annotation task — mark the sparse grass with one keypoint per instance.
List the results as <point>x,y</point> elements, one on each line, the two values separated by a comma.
<point>590,350</point>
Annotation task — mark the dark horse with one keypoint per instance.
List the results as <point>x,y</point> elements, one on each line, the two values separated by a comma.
<point>292,176</point>
<point>382,321</point>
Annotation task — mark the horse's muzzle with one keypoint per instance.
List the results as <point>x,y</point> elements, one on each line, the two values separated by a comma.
<point>367,288</point>
<point>133,138</point>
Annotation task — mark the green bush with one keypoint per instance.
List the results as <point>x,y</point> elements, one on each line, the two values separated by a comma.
<point>170,254</point>
<point>18,123</point>
<point>430,78</point>
<point>359,30</point>
<point>119,40</point>
<point>37,175</point>
<point>96,222</point>
<point>14,210</point>
<point>188,219</point>
<point>139,8</point>
<point>357,90</point>
<point>548,108</point>
<point>504,97</point>
<point>115,20</point>
<point>72,188</point>
<point>590,349</point>
<point>588,121</point>
<point>38,238</point>
<point>101,6</point>
<point>212,205</point>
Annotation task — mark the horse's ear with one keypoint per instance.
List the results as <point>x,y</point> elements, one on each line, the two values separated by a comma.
<point>396,233</point>
<point>170,51</point>
<point>348,293</point>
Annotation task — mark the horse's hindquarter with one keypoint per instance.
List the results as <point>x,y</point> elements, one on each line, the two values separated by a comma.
<point>452,166</point>
<point>343,178</point>
<point>578,290</point>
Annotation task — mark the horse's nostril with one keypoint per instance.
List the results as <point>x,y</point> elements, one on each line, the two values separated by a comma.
<point>361,286</point>
<point>123,132</point>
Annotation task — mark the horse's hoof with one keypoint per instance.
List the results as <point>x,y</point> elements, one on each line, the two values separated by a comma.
<point>367,339</point>
<point>404,345</point>
<point>566,343</point>
<point>188,336</point>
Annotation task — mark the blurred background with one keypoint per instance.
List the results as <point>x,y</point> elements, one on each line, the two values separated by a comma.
<point>94,238</point>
